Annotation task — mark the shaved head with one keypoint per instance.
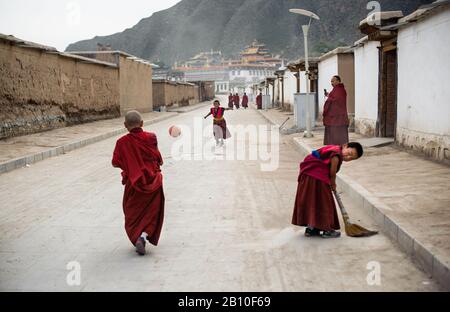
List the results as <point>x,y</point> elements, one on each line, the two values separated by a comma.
<point>133,119</point>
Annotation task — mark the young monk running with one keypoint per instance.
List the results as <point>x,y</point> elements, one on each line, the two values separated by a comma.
<point>220,129</point>
<point>314,203</point>
<point>138,156</point>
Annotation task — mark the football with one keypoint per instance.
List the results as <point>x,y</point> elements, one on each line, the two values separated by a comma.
<point>174,131</point>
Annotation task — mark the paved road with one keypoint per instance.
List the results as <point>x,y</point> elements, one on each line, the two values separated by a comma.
<point>227,228</point>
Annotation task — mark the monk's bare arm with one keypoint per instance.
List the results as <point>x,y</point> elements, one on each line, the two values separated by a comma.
<point>208,115</point>
<point>333,171</point>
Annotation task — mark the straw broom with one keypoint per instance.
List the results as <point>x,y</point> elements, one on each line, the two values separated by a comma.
<point>351,229</point>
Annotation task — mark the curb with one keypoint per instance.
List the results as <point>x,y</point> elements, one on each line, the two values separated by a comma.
<point>427,260</point>
<point>21,162</point>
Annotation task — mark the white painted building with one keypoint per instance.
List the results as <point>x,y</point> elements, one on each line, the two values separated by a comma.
<point>401,73</point>
<point>423,99</point>
<point>366,86</point>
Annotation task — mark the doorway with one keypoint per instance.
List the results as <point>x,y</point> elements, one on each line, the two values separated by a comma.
<point>387,103</point>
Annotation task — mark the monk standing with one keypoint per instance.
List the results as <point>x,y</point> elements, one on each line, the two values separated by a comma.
<point>237,100</point>
<point>245,101</point>
<point>138,156</point>
<point>259,101</point>
<point>220,129</point>
<point>335,117</point>
<point>230,100</point>
<point>314,203</point>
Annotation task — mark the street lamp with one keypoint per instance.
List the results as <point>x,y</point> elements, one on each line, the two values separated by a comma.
<point>311,15</point>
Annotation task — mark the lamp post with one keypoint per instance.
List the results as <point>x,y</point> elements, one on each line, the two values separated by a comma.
<point>308,133</point>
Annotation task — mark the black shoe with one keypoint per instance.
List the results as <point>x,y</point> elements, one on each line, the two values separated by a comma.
<point>331,234</point>
<point>140,246</point>
<point>310,232</point>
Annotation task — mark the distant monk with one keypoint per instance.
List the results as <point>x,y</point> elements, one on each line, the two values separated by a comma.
<point>230,100</point>
<point>138,156</point>
<point>236,100</point>
<point>245,101</point>
<point>335,117</point>
<point>259,101</point>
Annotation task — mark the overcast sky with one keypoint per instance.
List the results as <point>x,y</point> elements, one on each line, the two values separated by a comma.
<point>58,23</point>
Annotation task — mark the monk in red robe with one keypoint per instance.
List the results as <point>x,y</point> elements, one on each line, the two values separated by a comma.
<point>314,203</point>
<point>230,101</point>
<point>245,101</point>
<point>138,156</point>
<point>237,100</point>
<point>220,129</point>
<point>259,101</point>
<point>335,116</point>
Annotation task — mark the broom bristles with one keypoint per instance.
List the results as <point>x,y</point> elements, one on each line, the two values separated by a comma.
<point>355,230</point>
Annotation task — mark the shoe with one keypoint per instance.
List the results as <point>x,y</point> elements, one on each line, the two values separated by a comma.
<point>310,232</point>
<point>331,234</point>
<point>140,246</point>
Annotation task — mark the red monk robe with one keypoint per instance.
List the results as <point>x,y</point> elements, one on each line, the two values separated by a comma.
<point>230,101</point>
<point>138,156</point>
<point>314,204</point>
<point>259,101</point>
<point>245,101</point>
<point>237,100</point>
<point>219,124</point>
<point>335,117</point>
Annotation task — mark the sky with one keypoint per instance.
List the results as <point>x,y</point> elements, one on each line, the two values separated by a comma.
<point>58,23</point>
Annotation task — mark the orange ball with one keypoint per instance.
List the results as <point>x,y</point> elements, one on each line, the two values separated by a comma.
<point>174,131</point>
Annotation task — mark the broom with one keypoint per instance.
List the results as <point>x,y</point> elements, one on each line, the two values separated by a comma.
<point>351,229</point>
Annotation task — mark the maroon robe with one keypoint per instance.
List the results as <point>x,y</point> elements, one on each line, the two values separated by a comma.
<point>138,156</point>
<point>219,124</point>
<point>259,101</point>
<point>230,101</point>
<point>245,101</point>
<point>335,117</point>
<point>314,203</point>
<point>236,101</point>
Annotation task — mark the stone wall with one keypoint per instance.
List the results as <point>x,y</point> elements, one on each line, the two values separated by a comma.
<point>135,86</point>
<point>206,90</point>
<point>43,90</point>
<point>169,94</point>
<point>136,91</point>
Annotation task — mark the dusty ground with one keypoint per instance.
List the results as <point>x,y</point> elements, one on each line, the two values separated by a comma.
<point>227,228</point>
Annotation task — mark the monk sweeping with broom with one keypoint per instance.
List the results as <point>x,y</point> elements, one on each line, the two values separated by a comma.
<point>314,204</point>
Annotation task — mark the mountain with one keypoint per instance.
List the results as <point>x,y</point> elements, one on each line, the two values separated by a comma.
<point>193,26</point>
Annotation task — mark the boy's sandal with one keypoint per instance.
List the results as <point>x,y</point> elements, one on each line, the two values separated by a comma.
<point>312,232</point>
<point>331,234</point>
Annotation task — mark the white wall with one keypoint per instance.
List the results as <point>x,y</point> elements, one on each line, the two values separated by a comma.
<point>423,75</point>
<point>290,87</point>
<point>366,81</point>
<point>327,69</point>
<point>302,82</point>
